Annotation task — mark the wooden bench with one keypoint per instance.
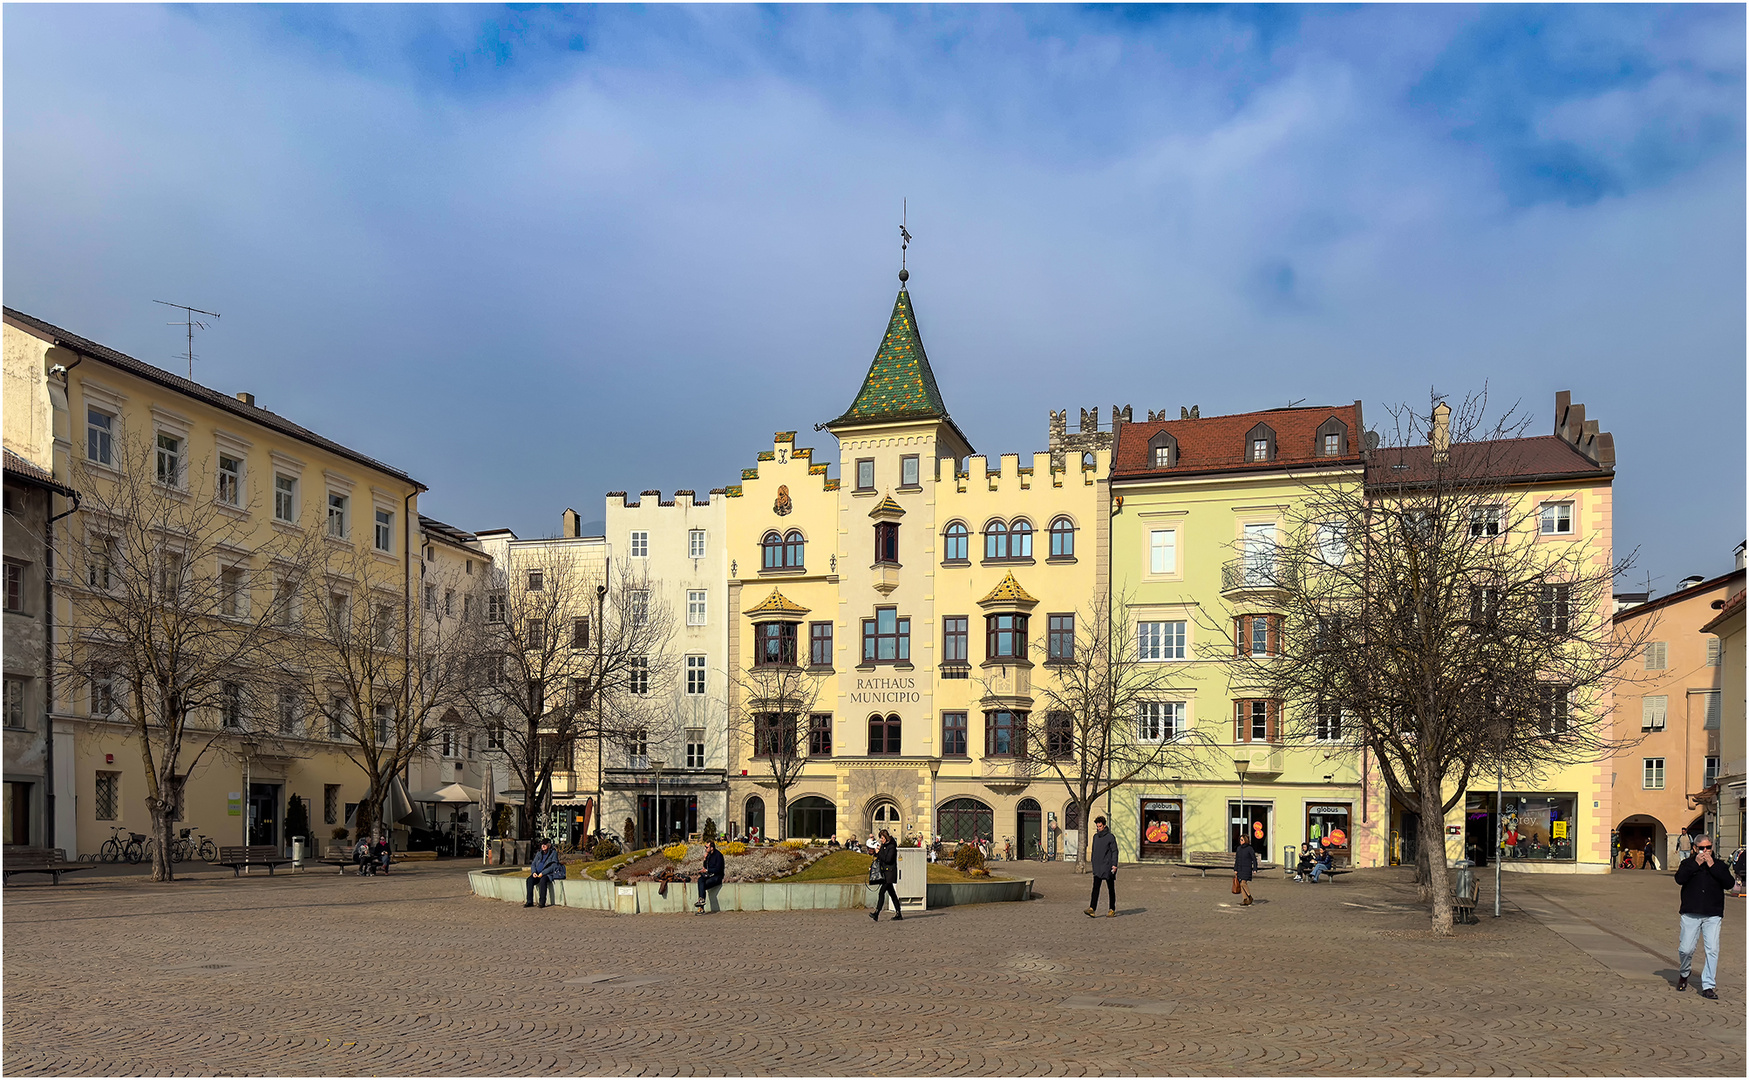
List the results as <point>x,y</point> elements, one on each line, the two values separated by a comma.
<point>240,858</point>
<point>1463,905</point>
<point>1288,870</point>
<point>51,861</point>
<point>1204,861</point>
<point>337,855</point>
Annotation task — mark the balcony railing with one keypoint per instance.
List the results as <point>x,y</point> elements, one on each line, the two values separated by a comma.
<point>1259,575</point>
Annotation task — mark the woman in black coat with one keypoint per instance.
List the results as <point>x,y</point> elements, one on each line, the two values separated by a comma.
<point>1244,864</point>
<point>712,875</point>
<point>887,858</point>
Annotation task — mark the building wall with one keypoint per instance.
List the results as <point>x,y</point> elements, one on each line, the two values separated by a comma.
<point>1729,815</point>
<point>26,732</point>
<point>456,573</point>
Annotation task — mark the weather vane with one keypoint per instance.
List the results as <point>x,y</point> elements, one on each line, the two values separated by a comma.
<point>904,240</point>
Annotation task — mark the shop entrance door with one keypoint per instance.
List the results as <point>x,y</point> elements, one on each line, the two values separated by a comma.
<point>1250,819</point>
<point>1162,829</point>
<point>264,814</point>
<point>1028,827</point>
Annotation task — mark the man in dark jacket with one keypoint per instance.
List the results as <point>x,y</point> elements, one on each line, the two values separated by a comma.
<point>542,873</point>
<point>887,858</point>
<point>711,877</point>
<point>1704,880</point>
<point>1244,865</point>
<point>1103,850</point>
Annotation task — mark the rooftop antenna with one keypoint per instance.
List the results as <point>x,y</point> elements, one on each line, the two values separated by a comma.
<point>904,240</point>
<point>1295,404</point>
<point>192,325</point>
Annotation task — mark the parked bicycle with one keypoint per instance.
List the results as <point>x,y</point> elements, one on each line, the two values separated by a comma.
<point>193,844</point>
<point>122,844</point>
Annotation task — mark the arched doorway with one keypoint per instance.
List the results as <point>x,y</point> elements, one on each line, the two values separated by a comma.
<point>1632,834</point>
<point>812,818</point>
<point>755,815</point>
<point>1028,827</point>
<point>885,816</point>
<point>965,820</point>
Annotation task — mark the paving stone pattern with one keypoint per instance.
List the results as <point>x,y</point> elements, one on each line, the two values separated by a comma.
<point>315,974</point>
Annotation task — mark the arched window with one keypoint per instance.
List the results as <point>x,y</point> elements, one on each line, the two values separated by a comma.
<point>1062,538</point>
<point>955,547</point>
<point>1072,817</point>
<point>1020,539</point>
<point>771,551</point>
<point>1087,461</point>
<point>813,818</point>
<point>756,814</point>
<point>996,540</point>
<point>792,549</point>
<point>965,820</point>
<point>883,734</point>
<point>886,816</point>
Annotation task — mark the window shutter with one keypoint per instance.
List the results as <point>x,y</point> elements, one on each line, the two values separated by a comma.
<point>1274,635</point>
<point>1712,652</point>
<point>1241,636</point>
<point>1238,721</point>
<point>1712,711</point>
<point>1273,726</point>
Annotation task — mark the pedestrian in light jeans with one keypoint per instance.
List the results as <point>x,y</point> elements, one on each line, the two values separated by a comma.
<point>1704,880</point>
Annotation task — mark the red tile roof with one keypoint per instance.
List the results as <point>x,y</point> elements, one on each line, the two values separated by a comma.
<point>25,469</point>
<point>1540,457</point>
<point>1217,443</point>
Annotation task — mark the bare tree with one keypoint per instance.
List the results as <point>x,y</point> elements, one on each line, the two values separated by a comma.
<point>371,670</point>
<point>773,712</point>
<point>563,656</point>
<point>1421,622</point>
<point>173,614</point>
<point>1104,715</point>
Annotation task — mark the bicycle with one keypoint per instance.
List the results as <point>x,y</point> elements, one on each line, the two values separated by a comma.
<point>115,848</point>
<point>188,847</point>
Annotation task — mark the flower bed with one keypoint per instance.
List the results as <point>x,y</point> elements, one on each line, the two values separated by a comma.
<point>754,864</point>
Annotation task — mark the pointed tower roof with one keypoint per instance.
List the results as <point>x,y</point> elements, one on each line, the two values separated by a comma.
<point>776,604</point>
<point>1008,592</point>
<point>899,384</point>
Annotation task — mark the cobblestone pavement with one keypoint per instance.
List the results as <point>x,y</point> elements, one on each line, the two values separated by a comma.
<point>412,975</point>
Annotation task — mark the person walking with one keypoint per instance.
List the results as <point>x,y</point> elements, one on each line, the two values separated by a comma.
<point>1647,862</point>
<point>1703,880</point>
<point>887,858</point>
<point>1103,851</point>
<point>1684,846</point>
<point>545,869</point>
<point>711,877</point>
<point>1244,865</point>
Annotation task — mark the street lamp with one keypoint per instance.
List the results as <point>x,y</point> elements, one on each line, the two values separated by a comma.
<point>657,763</point>
<point>1243,765</point>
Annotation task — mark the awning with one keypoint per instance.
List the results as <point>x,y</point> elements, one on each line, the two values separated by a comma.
<point>449,793</point>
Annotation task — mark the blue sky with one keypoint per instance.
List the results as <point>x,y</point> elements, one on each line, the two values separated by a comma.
<point>531,255</point>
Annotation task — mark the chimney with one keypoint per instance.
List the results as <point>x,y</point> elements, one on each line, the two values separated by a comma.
<point>573,524</point>
<point>1441,435</point>
<point>245,397</point>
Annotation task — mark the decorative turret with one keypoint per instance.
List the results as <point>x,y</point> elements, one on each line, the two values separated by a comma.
<point>899,384</point>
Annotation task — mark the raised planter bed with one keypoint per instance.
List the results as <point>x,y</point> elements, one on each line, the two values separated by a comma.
<point>644,897</point>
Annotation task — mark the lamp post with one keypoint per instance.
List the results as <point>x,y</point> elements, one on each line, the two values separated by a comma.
<point>1243,765</point>
<point>600,715</point>
<point>657,763</point>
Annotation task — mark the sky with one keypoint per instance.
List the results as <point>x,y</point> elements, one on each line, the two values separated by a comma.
<point>532,255</point>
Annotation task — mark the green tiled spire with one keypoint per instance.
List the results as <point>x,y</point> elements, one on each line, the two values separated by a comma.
<point>899,385</point>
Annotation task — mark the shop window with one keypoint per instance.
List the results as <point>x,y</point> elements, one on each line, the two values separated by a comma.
<point>1538,827</point>
<point>812,817</point>
<point>1327,827</point>
<point>1162,828</point>
<point>964,821</point>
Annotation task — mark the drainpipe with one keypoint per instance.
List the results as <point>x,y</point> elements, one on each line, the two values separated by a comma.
<point>407,602</point>
<point>49,614</point>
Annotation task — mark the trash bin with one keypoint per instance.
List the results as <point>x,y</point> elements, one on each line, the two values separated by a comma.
<point>298,851</point>
<point>1463,891</point>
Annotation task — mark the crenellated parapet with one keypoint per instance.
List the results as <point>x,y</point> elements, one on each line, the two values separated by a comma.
<point>1088,439</point>
<point>682,497</point>
<point>783,451</point>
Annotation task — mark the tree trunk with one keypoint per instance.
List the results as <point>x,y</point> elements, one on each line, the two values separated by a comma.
<point>783,813</point>
<point>1423,876</point>
<point>1433,849</point>
<point>1082,855</point>
<point>163,868</point>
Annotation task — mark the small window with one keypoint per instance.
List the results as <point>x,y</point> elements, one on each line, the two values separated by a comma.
<point>638,681</point>
<point>1657,655</point>
<point>14,701</point>
<point>886,638</point>
<point>1159,721</point>
<point>638,607</point>
<point>337,525</point>
<point>1654,711</point>
<point>99,437</point>
<point>1020,539</point>
<point>1257,635</point>
<point>331,804</point>
<point>1556,519</point>
<point>1554,708</point>
<point>1484,521</point>
<point>580,632</point>
<point>695,544</point>
<point>169,460</point>
<point>1332,445</point>
<point>774,643</point>
<point>996,540</point>
<point>288,712</point>
<point>794,547</point>
<point>883,734</point>
<point>695,673</point>
<point>230,480</point>
<point>820,644</point>
<point>497,604</point>
<point>102,692</point>
<point>231,705</point>
<point>1160,640</point>
<point>1004,733</point>
<point>285,498</point>
<point>1059,736</point>
<point>910,475</point>
<point>1163,551</point>
<point>1327,723</point>
<point>865,474</point>
<point>954,640</point>
<point>430,598</point>
<point>638,749</point>
<point>1332,543</point>
<point>1557,608</point>
<point>1256,720</point>
<point>581,697</point>
<point>1711,775</point>
<point>953,734</point>
<point>886,543</point>
<point>695,607</point>
<point>385,530</point>
<point>771,551</point>
<point>535,635</point>
<point>1652,774</point>
<point>537,580</point>
<point>1060,642</point>
<point>640,545</point>
<point>15,585</point>
<point>448,602</point>
<point>820,735</point>
<point>695,748</point>
<point>233,597</point>
<point>107,804</point>
<point>1062,538</point>
<point>955,545</point>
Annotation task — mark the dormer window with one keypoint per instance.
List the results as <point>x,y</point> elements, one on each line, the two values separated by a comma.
<point>1162,451</point>
<point>1260,443</point>
<point>1331,439</point>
